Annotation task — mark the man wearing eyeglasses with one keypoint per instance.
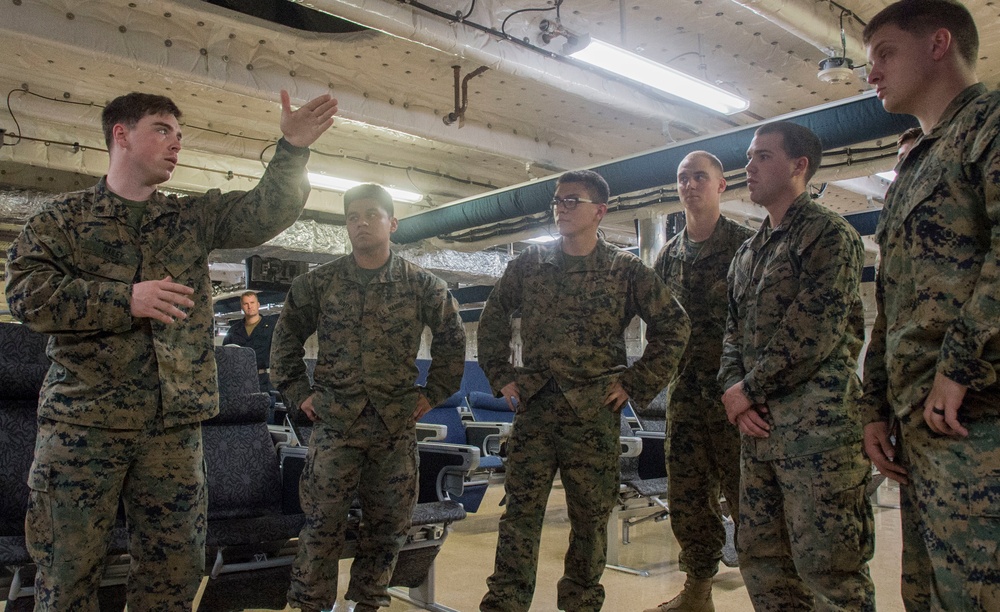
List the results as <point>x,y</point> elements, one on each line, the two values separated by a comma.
<point>575,298</point>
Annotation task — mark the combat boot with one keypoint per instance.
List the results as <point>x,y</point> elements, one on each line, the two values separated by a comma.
<point>696,597</point>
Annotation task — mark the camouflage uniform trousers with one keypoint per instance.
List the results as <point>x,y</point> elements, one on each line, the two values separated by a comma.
<point>951,516</point>
<point>703,459</point>
<point>806,531</point>
<point>546,437</point>
<point>382,470</point>
<point>76,480</point>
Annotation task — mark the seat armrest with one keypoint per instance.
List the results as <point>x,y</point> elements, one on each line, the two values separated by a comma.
<point>631,446</point>
<point>429,432</point>
<point>481,434</point>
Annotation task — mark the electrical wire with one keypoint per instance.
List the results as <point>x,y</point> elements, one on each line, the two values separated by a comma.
<point>471,8</point>
<point>503,26</point>
<point>270,143</point>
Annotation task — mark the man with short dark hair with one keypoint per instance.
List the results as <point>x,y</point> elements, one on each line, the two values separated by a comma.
<point>931,366</point>
<point>795,328</point>
<point>118,275</point>
<point>254,331</point>
<point>368,310</point>
<point>702,450</point>
<point>575,297</point>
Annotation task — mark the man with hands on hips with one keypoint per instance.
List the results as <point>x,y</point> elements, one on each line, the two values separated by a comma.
<point>369,310</point>
<point>118,275</point>
<point>575,297</point>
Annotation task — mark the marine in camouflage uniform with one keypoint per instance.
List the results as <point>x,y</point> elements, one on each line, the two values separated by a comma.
<point>702,448</point>
<point>794,331</point>
<point>574,311</point>
<point>365,406</point>
<point>120,409</point>
<point>938,297</point>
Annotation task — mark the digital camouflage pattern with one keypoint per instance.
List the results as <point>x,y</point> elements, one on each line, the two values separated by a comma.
<point>365,396</point>
<point>381,469</point>
<point>794,331</point>
<point>70,274</point>
<point>938,297</point>
<point>548,436</point>
<point>698,279</point>
<point>71,513</point>
<point>807,531</point>
<point>702,448</point>
<point>572,326</point>
<point>368,342</point>
<point>573,323</point>
<point>130,386</point>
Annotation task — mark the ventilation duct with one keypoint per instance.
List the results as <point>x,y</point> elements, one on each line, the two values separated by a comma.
<point>838,124</point>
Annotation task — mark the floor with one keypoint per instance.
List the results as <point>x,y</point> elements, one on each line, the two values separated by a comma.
<point>467,559</point>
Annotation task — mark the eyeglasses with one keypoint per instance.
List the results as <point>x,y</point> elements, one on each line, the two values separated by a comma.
<point>570,203</point>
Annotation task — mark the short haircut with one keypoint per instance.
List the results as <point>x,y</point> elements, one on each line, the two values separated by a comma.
<point>922,17</point>
<point>594,182</point>
<point>130,108</point>
<point>369,191</point>
<point>713,160</point>
<point>911,134</point>
<point>248,294</point>
<point>797,141</point>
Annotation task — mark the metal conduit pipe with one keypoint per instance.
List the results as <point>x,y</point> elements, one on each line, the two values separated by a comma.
<point>817,23</point>
<point>838,124</point>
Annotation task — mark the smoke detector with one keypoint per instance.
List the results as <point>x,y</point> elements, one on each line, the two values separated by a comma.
<point>836,70</point>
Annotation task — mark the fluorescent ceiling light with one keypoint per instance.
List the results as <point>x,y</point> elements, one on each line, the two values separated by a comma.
<point>889,176</point>
<point>335,183</point>
<point>615,59</point>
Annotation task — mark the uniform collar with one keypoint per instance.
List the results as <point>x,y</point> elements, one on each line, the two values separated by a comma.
<point>109,204</point>
<point>967,95</point>
<point>552,254</point>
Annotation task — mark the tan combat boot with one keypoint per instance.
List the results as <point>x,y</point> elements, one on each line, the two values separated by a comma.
<point>696,597</point>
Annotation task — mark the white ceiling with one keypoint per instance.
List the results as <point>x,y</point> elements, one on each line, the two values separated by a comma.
<point>530,115</point>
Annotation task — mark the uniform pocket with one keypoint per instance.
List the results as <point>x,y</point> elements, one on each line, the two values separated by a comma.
<point>843,520</point>
<point>38,525</point>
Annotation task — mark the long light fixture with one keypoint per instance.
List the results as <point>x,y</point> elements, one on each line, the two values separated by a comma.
<point>335,183</point>
<point>629,65</point>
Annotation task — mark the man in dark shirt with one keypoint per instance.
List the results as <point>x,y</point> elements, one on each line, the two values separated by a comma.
<point>255,332</point>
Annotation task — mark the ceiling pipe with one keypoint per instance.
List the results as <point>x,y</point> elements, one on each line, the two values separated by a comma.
<point>97,39</point>
<point>817,23</point>
<point>462,40</point>
<point>838,124</point>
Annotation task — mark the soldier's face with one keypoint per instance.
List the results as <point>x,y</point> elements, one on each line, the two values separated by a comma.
<point>899,61</point>
<point>151,147</point>
<point>368,225</point>
<point>699,184</point>
<point>584,218</point>
<point>250,306</point>
<point>770,171</point>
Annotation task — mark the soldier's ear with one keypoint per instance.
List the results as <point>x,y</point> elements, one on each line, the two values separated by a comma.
<point>119,135</point>
<point>393,224</point>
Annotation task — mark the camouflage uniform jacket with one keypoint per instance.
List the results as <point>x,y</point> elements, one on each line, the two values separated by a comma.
<point>369,337</point>
<point>573,324</point>
<point>70,274</point>
<point>698,280</point>
<point>938,286</point>
<point>795,328</point>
